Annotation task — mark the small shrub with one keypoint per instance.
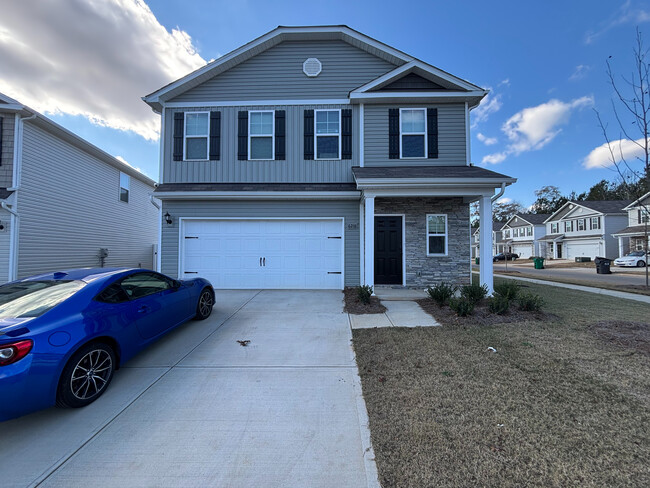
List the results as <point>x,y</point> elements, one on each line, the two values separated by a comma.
<point>507,289</point>
<point>474,293</point>
<point>530,303</point>
<point>462,306</point>
<point>499,305</point>
<point>364,292</point>
<point>441,293</point>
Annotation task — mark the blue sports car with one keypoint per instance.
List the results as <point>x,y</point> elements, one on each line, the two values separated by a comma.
<point>62,335</point>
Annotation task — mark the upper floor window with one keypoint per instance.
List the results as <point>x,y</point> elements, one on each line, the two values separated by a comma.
<point>529,231</point>
<point>644,216</point>
<point>125,185</point>
<point>555,228</point>
<point>568,226</point>
<point>261,132</point>
<point>515,232</point>
<point>197,129</point>
<point>328,134</point>
<point>595,223</point>
<point>413,132</point>
<point>581,224</point>
<point>506,233</point>
<point>436,235</point>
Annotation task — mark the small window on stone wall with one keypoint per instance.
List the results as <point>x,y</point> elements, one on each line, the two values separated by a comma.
<point>436,235</point>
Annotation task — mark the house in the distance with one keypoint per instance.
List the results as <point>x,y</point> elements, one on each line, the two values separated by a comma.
<point>66,203</point>
<point>498,244</point>
<point>584,229</point>
<point>634,236</point>
<point>521,233</point>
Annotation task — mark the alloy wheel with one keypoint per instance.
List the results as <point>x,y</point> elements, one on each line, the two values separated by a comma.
<point>91,374</point>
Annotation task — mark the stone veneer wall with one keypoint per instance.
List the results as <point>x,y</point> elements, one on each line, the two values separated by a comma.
<point>422,270</point>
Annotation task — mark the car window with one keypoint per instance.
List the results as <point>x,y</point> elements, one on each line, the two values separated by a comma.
<point>113,294</point>
<point>140,285</point>
<point>34,298</point>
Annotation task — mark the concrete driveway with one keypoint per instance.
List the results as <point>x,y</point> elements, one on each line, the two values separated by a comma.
<point>198,409</point>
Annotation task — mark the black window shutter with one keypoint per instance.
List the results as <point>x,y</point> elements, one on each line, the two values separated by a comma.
<point>393,133</point>
<point>280,135</point>
<point>346,133</point>
<point>242,136</point>
<point>432,133</point>
<point>215,136</point>
<point>179,119</point>
<point>309,134</point>
<point>1,119</point>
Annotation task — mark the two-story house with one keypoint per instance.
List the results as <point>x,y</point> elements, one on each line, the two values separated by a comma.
<point>498,243</point>
<point>65,203</point>
<point>522,232</point>
<point>584,229</point>
<point>634,236</point>
<point>318,157</point>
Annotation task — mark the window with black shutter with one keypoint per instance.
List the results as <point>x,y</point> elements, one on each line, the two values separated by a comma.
<point>280,123</point>
<point>346,133</point>
<point>215,136</point>
<point>242,136</point>
<point>308,134</point>
<point>393,133</point>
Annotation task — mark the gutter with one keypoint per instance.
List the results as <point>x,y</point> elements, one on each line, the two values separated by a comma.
<point>500,194</point>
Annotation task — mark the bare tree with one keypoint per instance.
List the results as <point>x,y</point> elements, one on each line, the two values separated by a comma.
<point>631,108</point>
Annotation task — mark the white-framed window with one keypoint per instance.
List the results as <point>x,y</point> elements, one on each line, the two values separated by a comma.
<point>515,232</point>
<point>506,233</point>
<point>529,231</point>
<point>554,228</point>
<point>568,226</point>
<point>581,224</point>
<point>125,187</point>
<point>412,133</point>
<point>196,136</point>
<point>261,134</point>
<point>595,223</point>
<point>644,216</point>
<point>328,133</point>
<point>436,235</point>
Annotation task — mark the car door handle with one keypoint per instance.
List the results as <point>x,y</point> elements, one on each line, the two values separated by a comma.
<point>143,309</point>
<point>260,261</point>
<point>264,261</point>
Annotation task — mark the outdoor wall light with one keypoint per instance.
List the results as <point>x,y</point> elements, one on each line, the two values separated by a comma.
<point>168,218</point>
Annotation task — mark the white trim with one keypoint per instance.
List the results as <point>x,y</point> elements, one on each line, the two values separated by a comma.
<point>258,195</point>
<point>161,150</point>
<point>369,240</point>
<point>362,136</point>
<point>206,137</point>
<point>427,182</point>
<point>253,103</point>
<point>637,202</point>
<point>362,247</point>
<point>403,243</point>
<point>446,235</point>
<point>17,166</point>
<point>272,112</point>
<point>401,134</point>
<point>12,107</point>
<point>316,158</point>
<point>406,95</point>
<point>181,235</point>
<point>468,145</point>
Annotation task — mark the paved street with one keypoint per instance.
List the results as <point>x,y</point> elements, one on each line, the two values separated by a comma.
<point>619,276</point>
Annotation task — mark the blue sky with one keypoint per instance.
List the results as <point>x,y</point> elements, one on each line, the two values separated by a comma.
<point>544,63</point>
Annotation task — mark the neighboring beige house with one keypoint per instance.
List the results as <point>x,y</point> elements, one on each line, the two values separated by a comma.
<point>65,203</point>
<point>633,237</point>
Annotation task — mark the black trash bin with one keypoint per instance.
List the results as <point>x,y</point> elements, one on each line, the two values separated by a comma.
<point>602,265</point>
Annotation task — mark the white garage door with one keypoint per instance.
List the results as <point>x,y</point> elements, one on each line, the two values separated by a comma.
<point>584,248</point>
<point>523,250</point>
<point>289,254</point>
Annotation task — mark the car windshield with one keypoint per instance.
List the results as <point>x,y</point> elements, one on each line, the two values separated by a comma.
<point>636,253</point>
<point>34,298</point>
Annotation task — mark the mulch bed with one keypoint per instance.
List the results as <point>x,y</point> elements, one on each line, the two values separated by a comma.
<point>480,316</point>
<point>354,306</point>
<point>628,335</point>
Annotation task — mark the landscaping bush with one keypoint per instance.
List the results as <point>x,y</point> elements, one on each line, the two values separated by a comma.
<point>441,293</point>
<point>364,292</point>
<point>474,293</point>
<point>499,305</point>
<point>530,303</point>
<point>507,289</point>
<point>462,306</point>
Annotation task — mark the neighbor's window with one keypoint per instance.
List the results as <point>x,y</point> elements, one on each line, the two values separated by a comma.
<point>644,216</point>
<point>413,132</point>
<point>197,128</point>
<point>568,226</point>
<point>506,233</point>
<point>328,134</point>
<point>261,131</point>
<point>554,228</point>
<point>515,232</point>
<point>436,235</point>
<point>529,231</point>
<point>125,184</point>
<point>595,223</point>
<point>581,224</point>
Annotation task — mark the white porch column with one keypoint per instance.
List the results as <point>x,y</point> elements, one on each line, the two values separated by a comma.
<point>621,246</point>
<point>485,258</point>
<point>369,241</point>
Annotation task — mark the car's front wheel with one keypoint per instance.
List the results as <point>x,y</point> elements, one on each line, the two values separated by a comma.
<point>86,375</point>
<point>205,304</point>
<point>641,264</point>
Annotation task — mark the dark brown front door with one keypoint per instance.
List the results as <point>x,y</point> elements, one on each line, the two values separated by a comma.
<point>559,251</point>
<point>388,250</point>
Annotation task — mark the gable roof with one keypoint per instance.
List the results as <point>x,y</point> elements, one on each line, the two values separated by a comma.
<point>638,201</point>
<point>611,207</point>
<point>531,218</point>
<point>325,32</point>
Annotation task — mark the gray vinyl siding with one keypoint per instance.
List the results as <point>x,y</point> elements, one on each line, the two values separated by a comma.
<point>348,209</point>
<point>7,151</point>
<point>451,136</point>
<point>69,209</point>
<point>294,169</point>
<point>5,239</point>
<point>276,74</point>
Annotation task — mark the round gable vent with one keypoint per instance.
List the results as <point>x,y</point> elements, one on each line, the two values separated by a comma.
<point>312,67</point>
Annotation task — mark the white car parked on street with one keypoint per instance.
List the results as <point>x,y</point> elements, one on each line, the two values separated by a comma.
<point>635,258</point>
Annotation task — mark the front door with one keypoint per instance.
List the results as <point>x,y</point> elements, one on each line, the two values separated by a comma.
<point>559,250</point>
<point>388,250</point>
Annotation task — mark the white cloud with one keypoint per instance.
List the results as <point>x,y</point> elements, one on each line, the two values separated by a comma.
<point>534,127</point>
<point>504,200</point>
<point>489,105</point>
<point>505,82</point>
<point>488,141</point>
<point>90,58</point>
<point>622,149</point>
<point>626,14</point>
<point>120,158</point>
<point>580,72</point>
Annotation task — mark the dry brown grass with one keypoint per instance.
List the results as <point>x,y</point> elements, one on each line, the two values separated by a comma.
<point>558,404</point>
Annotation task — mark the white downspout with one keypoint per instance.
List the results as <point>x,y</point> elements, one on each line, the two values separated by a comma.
<point>501,192</point>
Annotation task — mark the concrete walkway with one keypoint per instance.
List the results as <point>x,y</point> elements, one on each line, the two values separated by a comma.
<point>402,310</point>
<point>199,409</point>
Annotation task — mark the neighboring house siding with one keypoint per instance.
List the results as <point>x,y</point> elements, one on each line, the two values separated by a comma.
<point>294,169</point>
<point>276,74</point>
<point>348,209</point>
<point>69,209</point>
<point>5,239</point>
<point>451,136</point>
<point>7,152</point>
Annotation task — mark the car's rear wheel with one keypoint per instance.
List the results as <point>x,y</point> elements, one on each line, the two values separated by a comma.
<point>86,375</point>
<point>204,305</point>
<point>641,264</point>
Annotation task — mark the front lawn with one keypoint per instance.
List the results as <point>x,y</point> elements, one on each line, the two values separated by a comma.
<point>562,402</point>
